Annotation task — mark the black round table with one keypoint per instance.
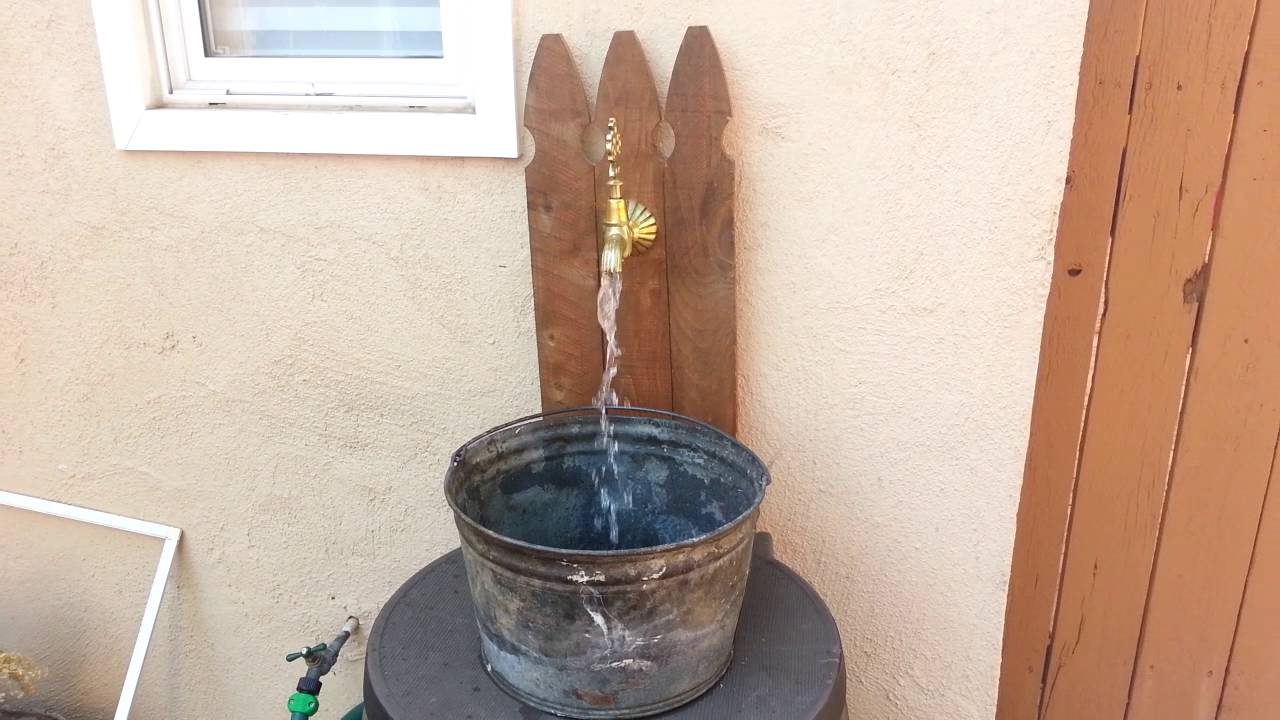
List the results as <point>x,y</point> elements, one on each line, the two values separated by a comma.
<point>423,658</point>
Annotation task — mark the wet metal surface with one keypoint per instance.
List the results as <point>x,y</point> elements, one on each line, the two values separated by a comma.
<point>572,625</point>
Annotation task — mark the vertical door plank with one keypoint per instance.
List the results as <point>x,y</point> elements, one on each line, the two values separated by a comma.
<point>1189,68</point>
<point>1230,421</point>
<point>1066,348</point>
<point>1252,687</point>
<point>1253,674</point>
<point>560,184</point>
<point>627,93</point>
<point>700,238</point>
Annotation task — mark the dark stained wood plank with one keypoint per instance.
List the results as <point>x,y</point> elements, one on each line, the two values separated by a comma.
<point>1191,57</point>
<point>700,237</point>
<point>627,93</point>
<point>1107,66</point>
<point>560,183</point>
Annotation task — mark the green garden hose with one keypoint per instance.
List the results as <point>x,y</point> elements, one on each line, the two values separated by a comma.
<point>357,713</point>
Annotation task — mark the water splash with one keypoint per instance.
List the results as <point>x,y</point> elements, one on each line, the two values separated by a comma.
<point>615,495</point>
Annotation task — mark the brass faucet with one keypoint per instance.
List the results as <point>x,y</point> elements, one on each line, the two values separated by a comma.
<point>628,226</point>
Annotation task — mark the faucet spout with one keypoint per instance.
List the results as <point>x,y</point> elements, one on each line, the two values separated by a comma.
<point>613,253</point>
<point>628,226</point>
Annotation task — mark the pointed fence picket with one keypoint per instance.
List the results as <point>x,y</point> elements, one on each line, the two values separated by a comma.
<point>677,323</point>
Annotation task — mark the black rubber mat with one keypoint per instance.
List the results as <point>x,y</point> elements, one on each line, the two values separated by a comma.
<point>423,660</point>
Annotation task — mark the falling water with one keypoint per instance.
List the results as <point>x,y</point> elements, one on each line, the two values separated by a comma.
<point>614,494</point>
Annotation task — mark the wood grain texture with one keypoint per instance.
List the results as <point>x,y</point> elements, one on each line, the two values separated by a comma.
<point>1190,61</point>
<point>627,92</point>
<point>1253,674</point>
<point>1083,242</point>
<point>560,184</point>
<point>700,237</point>
<point>1230,422</point>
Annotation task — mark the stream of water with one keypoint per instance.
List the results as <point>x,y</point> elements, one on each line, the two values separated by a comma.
<point>615,493</point>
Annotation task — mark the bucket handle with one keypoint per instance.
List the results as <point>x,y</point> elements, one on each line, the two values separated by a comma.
<point>585,410</point>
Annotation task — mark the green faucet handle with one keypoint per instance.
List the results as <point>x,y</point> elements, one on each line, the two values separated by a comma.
<point>306,652</point>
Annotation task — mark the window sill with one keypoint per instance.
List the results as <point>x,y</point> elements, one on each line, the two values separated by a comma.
<point>349,132</point>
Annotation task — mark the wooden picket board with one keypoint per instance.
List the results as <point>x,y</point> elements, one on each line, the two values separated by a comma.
<point>699,235</point>
<point>1066,348</point>
<point>560,187</point>
<point>1191,56</point>
<point>627,93</point>
<point>677,323</point>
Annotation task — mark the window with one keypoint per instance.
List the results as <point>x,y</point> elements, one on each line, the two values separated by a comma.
<point>345,29</point>
<point>395,77</point>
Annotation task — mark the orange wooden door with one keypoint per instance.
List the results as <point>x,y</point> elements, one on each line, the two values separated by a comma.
<point>1146,573</point>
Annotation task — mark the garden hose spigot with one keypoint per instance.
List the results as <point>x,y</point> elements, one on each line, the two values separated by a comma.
<point>320,659</point>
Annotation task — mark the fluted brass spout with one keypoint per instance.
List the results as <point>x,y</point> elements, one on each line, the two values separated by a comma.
<point>628,226</point>
<point>611,256</point>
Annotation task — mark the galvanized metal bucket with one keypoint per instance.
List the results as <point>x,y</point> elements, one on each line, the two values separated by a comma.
<point>572,623</point>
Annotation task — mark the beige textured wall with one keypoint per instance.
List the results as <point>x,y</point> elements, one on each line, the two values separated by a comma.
<point>278,353</point>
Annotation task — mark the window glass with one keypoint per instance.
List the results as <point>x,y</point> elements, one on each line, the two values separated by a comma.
<point>322,28</point>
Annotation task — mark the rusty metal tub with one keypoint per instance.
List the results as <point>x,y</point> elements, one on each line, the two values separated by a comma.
<point>574,623</point>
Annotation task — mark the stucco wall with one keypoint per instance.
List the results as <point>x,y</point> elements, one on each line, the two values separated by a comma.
<point>278,353</point>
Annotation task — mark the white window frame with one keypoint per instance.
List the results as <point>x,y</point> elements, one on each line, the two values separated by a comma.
<point>163,94</point>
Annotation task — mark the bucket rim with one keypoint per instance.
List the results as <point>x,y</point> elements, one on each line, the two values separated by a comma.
<point>624,411</point>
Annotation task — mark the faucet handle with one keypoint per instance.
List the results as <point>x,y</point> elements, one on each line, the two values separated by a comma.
<point>613,148</point>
